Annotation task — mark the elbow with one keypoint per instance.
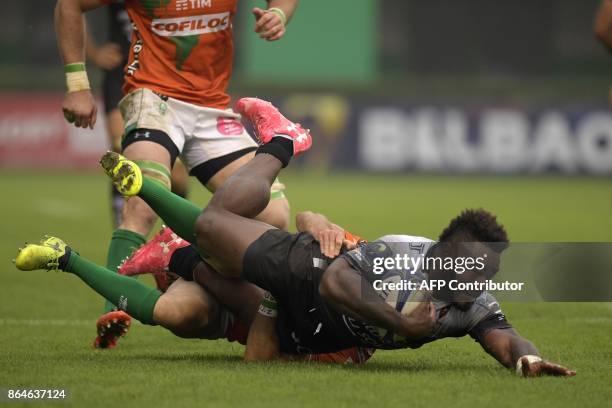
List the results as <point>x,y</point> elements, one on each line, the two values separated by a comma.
<point>301,219</point>
<point>62,5</point>
<point>65,8</point>
<point>57,12</point>
<point>600,32</point>
<point>302,216</point>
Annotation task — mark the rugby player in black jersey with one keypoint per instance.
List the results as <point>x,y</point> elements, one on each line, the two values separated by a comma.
<point>317,303</point>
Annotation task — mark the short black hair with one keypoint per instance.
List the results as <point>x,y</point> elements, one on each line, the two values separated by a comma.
<point>476,224</point>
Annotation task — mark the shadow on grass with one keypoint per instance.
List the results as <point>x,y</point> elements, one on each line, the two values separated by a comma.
<point>372,366</point>
<point>190,357</point>
<point>411,366</point>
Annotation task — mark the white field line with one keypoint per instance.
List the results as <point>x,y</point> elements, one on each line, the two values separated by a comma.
<point>59,209</point>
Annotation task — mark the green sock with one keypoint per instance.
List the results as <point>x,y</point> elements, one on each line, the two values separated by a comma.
<point>123,243</point>
<point>136,298</point>
<point>178,213</point>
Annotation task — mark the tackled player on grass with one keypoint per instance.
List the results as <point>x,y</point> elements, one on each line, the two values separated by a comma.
<point>318,303</point>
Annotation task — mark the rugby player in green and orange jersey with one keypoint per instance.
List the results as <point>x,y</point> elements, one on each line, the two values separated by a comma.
<point>176,101</point>
<point>112,57</point>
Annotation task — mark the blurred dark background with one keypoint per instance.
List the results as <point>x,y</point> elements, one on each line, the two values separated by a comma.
<point>515,85</point>
<point>438,49</point>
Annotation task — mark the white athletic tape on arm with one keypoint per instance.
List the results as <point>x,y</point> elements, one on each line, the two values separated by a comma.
<point>279,13</point>
<point>530,358</point>
<point>268,306</point>
<point>76,77</point>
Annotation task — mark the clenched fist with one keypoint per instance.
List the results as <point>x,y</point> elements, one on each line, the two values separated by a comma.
<point>269,26</point>
<point>420,322</point>
<point>80,108</point>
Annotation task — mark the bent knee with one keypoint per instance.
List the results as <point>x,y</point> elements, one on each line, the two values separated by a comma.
<point>138,216</point>
<point>206,224</point>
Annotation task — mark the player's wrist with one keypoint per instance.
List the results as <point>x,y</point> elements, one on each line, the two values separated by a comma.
<point>280,13</point>
<point>76,77</point>
<point>531,358</point>
<point>268,306</point>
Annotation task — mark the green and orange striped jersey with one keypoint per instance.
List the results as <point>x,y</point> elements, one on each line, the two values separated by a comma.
<point>182,49</point>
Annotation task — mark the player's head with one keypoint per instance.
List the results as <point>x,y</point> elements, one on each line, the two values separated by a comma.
<point>474,240</point>
<point>476,226</point>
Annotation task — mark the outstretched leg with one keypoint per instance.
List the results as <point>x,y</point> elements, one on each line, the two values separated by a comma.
<point>168,254</point>
<point>128,294</point>
<point>186,309</point>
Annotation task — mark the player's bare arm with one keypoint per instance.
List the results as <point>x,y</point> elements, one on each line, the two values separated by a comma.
<point>262,342</point>
<point>106,56</point>
<point>329,235</point>
<point>343,288</point>
<point>515,352</point>
<point>271,23</point>
<point>603,24</point>
<point>79,105</point>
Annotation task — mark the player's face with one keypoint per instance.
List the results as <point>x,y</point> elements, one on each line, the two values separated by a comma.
<point>488,258</point>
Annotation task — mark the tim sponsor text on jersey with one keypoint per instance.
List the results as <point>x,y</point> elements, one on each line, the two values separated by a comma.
<point>182,5</point>
<point>191,25</point>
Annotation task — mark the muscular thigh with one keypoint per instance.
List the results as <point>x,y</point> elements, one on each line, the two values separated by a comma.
<point>152,131</point>
<point>218,179</point>
<point>148,151</point>
<point>277,211</point>
<point>225,238</point>
<point>153,150</point>
<point>114,125</point>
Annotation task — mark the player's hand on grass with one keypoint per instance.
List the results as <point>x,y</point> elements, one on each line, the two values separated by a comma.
<point>80,108</point>
<point>108,56</point>
<point>269,25</point>
<point>541,368</point>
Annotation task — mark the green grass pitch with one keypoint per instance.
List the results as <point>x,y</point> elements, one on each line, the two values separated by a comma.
<point>47,319</point>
